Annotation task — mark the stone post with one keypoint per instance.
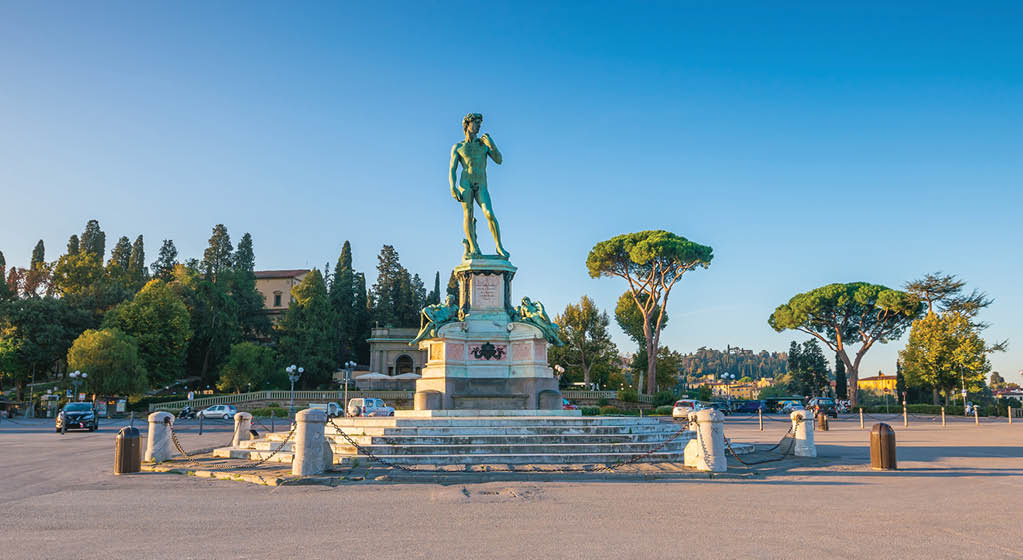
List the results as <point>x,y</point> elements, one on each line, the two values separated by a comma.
<point>312,452</point>
<point>802,432</point>
<point>706,451</point>
<point>158,441</point>
<point>242,425</point>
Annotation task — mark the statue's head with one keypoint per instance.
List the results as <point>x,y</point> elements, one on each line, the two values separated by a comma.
<point>471,123</point>
<point>449,300</point>
<point>527,302</point>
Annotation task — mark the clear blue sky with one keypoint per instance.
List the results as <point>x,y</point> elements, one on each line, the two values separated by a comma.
<point>808,143</point>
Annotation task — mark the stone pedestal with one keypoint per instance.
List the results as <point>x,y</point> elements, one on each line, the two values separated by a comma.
<point>706,451</point>
<point>242,427</point>
<point>313,454</point>
<point>802,432</point>
<point>158,441</point>
<point>487,360</point>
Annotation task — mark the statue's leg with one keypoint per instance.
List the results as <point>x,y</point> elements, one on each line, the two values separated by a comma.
<point>469,223</point>
<point>488,212</point>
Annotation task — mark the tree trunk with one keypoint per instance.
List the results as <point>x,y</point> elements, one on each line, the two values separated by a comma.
<point>934,395</point>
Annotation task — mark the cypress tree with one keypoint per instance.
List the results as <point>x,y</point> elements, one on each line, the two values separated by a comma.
<point>342,301</point>
<point>307,334</point>
<point>453,287</point>
<point>121,255</point>
<point>38,254</point>
<point>163,266</point>
<point>217,256</point>
<point>249,302</point>
<point>434,296</point>
<point>94,241</point>
<point>72,245</point>
<point>361,326</point>
<point>5,291</point>
<point>137,263</point>
<point>841,382</point>
<point>900,381</point>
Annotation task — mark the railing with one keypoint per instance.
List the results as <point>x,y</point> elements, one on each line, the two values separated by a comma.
<point>597,395</point>
<point>203,402</point>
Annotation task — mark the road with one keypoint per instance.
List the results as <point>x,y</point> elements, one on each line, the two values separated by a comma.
<point>958,494</point>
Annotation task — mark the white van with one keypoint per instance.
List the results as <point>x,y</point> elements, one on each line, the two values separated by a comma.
<point>369,407</point>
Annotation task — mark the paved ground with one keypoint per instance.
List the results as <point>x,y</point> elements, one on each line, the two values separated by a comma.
<point>958,493</point>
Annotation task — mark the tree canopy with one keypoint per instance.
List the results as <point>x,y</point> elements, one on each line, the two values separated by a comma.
<point>588,355</point>
<point>111,360</point>
<point>853,313</point>
<point>158,320</point>
<point>651,262</point>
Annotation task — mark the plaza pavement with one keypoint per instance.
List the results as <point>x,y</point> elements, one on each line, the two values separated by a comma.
<point>958,494</point>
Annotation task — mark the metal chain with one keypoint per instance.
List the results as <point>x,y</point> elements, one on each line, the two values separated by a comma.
<point>279,447</point>
<point>636,458</point>
<point>360,449</point>
<point>177,444</point>
<point>790,435</point>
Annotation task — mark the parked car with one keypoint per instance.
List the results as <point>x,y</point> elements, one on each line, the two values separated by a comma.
<point>718,406</point>
<point>77,416</point>
<point>683,407</point>
<point>369,407</point>
<point>567,405</point>
<point>332,409</point>
<point>225,411</point>
<point>825,405</point>
<point>748,407</point>
<point>788,407</point>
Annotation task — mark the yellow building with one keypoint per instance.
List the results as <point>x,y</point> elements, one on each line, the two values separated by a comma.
<point>879,383</point>
<point>275,287</point>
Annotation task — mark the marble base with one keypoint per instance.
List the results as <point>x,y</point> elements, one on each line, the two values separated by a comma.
<point>465,413</point>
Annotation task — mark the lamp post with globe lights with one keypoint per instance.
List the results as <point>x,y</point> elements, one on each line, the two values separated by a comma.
<point>294,372</point>
<point>77,378</point>
<point>348,367</point>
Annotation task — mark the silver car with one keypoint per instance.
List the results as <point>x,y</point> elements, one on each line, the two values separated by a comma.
<point>225,411</point>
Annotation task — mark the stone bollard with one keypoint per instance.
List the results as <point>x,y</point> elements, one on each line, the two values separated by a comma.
<point>802,432</point>
<point>158,441</point>
<point>312,452</point>
<point>242,427</point>
<point>706,451</point>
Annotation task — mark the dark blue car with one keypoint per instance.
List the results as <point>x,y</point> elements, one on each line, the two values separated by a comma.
<point>748,407</point>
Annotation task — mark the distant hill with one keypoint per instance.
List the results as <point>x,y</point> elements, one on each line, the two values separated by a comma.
<point>739,361</point>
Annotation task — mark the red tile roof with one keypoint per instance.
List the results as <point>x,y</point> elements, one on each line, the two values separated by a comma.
<point>281,273</point>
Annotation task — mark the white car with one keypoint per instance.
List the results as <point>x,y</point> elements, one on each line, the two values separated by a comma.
<point>332,409</point>
<point>225,411</point>
<point>683,407</point>
<point>369,407</point>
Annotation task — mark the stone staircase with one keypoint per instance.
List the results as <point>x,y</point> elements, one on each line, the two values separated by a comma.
<point>486,441</point>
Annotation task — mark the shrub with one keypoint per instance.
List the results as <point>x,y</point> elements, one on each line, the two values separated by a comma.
<point>663,410</point>
<point>602,401</point>
<point>590,411</point>
<point>664,398</point>
<point>628,395</point>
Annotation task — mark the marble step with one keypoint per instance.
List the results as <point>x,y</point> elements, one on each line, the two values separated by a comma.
<point>483,439</point>
<point>506,430</point>
<point>511,449</point>
<point>390,421</point>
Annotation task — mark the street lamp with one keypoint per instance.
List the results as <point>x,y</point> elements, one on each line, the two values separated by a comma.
<point>348,367</point>
<point>77,377</point>
<point>294,372</point>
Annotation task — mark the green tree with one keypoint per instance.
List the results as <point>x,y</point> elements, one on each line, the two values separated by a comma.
<point>214,320</point>
<point>137,264</point>
<point>248,366</point>
<point>216,259</point>
<point>343,295</point>
<point>452,289</point>
<point>5,290</point>
<point>307,331</point>
<point>35,334</point>
<point>386,289</point>
<point>252,319</point>
<point>434,296</point>
<point>362,319</point>
<point>94,241</point>
<point>73,245</point>
<point>163,266</point>
<point>652,262</point>
<point>112,361</point>
<point>630,318</point>
<point>840,314</point>
<point>588,353</point>
<point>945,352</point>
<point>900,381</point>
<point>841,383</point>
<point>808,368</point>
<point>117,266</point>
<point>157,319</point>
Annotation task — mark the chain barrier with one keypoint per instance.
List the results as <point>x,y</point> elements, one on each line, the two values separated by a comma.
<point>360,449</point>
<point>294,425</point>
<point>181,450</point>
<point>788,435</point>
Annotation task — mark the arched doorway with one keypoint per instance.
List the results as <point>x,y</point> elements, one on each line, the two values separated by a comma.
<point>404,365</point>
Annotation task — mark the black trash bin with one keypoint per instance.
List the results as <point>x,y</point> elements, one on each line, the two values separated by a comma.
<point>882,448</point>
<point>128,451</point>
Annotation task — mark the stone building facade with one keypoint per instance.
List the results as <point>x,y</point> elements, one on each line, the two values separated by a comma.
<point>390,354</point>
<point>275,287</point>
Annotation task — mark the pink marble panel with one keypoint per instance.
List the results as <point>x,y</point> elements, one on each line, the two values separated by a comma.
<point>521,351</point>
<point>541,352</point>
<point>454,351</point>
